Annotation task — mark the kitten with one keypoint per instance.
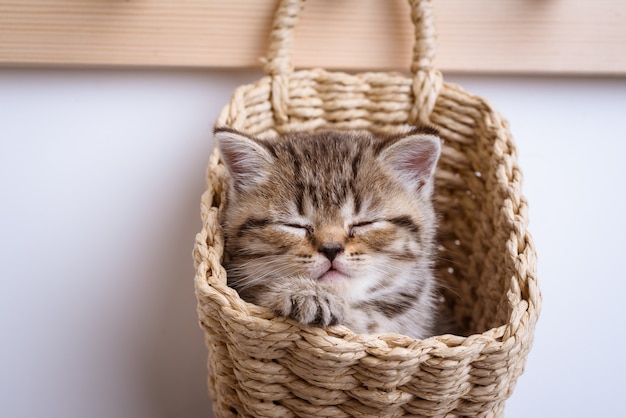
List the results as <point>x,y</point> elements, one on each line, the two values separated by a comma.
<point>334,227</point>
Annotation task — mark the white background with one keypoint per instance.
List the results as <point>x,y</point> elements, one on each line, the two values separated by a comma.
<point>101,173</point>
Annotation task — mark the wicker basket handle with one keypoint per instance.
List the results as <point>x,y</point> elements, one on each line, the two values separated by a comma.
<point>427,81</point>
<point>279,56</point>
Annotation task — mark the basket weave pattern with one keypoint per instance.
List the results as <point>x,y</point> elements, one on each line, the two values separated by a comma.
<point>262,365</point>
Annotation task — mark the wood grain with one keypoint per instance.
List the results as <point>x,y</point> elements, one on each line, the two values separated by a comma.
<point>521,36</point>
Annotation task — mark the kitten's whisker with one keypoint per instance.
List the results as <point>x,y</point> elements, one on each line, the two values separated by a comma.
<point>451,289</point>
<point>240,280</point>
<point>448,260</point>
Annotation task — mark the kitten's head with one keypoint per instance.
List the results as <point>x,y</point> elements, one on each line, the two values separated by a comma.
<point>349,208</point>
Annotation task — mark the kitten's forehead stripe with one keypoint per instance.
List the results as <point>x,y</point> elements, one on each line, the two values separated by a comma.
<point>312,159</point>
<point>299,197</point>
<point>299,186</point>
<point>358,202</point>
<point>356,195</point>
<point>356,162</point>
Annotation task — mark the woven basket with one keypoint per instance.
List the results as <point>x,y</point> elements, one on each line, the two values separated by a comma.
<point>266,366</point>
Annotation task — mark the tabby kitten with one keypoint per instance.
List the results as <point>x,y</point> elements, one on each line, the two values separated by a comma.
<point>334,227</point>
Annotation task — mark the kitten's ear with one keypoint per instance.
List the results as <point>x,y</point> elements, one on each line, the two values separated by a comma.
<point>246,159</point>
<point>413,159</point>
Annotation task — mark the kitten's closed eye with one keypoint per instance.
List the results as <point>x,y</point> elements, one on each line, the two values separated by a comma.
<point>301,230</point>
<point>363,226</point>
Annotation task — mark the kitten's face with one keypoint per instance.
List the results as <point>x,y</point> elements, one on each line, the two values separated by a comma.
<point>342,208</point>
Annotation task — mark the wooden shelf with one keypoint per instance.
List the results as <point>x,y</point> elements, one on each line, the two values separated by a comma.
<point>489,36</point>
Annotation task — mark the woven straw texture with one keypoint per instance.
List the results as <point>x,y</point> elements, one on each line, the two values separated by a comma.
<point>266,366</point>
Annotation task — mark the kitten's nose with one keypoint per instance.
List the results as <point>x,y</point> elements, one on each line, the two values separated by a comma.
<point>331,249</point>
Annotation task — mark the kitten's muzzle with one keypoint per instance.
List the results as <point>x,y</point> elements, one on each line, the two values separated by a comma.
<point>330,250</point>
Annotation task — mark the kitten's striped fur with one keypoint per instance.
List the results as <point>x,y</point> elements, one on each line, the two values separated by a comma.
<point>334,227</point>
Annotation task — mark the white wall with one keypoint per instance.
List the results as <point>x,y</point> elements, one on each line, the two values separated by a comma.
<point>101,173</point>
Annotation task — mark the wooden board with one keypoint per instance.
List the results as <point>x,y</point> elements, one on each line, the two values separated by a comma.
<point>520,36</point>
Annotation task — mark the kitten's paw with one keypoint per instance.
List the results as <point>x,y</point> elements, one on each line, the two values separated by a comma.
<point>308,306</point>
<point>316,308</point>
